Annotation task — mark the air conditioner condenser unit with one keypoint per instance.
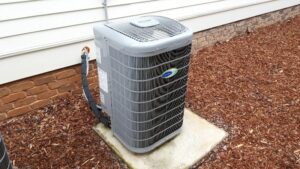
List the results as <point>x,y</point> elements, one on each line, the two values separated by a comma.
<point>143,70</point>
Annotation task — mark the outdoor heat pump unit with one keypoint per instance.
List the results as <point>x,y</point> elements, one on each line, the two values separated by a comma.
<point>143,70</point>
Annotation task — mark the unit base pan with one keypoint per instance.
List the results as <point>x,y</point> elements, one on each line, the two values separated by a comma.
<point>153,146</point>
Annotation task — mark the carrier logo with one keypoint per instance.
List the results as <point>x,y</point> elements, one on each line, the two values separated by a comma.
<point>169,73</point>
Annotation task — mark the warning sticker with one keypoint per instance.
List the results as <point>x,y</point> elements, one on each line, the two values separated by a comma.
<point>103,80</point>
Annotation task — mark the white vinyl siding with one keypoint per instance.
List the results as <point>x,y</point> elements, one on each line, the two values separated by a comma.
<point>52,32</point>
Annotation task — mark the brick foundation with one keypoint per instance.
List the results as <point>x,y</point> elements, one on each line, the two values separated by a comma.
<point>226,32</point>
<point>32,93</point>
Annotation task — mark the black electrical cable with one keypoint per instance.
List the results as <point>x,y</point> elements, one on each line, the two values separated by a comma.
<point>85,84</point>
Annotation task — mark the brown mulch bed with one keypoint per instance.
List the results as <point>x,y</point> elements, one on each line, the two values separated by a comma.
<point>250,86</point>
<point>58,136</point>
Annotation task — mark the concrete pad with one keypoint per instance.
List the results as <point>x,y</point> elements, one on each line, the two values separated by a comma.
<point>196,139</point>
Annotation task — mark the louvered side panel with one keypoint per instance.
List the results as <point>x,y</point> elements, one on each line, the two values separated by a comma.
<point>146,107</point>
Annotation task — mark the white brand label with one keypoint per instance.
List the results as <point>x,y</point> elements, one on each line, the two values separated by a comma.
<point>98,55</point>
<point>102,98</point>
<point>103,80</point>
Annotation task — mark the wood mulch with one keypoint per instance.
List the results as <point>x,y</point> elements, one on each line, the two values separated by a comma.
<point>58,136</point>
<point>249,86</point>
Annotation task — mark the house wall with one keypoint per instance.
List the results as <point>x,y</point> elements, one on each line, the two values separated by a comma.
<point>39,36</point>
<point>28,94</point>
<point>226,32</point>
<point>32,93</point>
